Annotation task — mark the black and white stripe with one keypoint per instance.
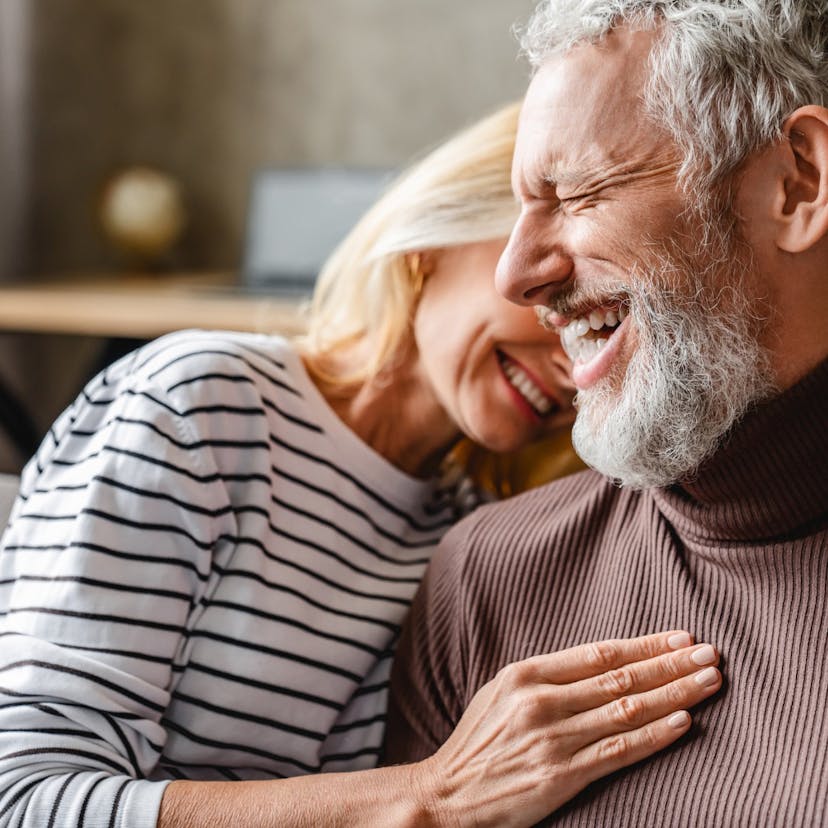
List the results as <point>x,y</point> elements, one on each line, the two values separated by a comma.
<point>203,578</point>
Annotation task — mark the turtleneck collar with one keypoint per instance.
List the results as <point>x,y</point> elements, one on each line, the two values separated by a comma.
<point>768,481</point>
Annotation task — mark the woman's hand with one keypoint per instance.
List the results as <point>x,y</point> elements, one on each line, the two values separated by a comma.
<point>533,737</point>
<point>546,727</point>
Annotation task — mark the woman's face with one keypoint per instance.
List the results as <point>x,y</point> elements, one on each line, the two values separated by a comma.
<point>499,376</point>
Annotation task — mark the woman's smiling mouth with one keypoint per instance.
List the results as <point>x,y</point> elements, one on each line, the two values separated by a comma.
<point>527,387</point>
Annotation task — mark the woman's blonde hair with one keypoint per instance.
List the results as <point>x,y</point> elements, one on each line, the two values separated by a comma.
<point>460,193</point>
<point>366,294</point>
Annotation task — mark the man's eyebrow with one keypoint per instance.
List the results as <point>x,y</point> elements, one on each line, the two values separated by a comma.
<point>554,176</point>
<point>565,177</point>
<point>588,177</point>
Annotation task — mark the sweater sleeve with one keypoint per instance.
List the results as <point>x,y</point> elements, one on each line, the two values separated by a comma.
<point>103,569</point>
<point>430,672</point>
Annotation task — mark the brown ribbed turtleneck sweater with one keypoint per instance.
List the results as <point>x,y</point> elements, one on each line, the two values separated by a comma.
<point>739,557</point>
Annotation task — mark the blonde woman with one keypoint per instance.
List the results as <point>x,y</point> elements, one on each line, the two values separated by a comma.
<point>205,573</point>
<point>459,201</point>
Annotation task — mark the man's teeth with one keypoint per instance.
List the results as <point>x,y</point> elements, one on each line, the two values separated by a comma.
<point>524,385</point>
<point>579,345</point>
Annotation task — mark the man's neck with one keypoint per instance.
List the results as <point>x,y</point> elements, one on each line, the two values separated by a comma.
<point>769,478</point>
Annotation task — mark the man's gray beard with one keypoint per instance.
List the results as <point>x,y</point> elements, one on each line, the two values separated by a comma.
<point>697,368</point>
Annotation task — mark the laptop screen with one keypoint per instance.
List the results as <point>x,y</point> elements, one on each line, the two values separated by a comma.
<point>296,219</point>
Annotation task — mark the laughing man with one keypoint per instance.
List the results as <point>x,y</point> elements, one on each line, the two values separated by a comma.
<point>672,167</point>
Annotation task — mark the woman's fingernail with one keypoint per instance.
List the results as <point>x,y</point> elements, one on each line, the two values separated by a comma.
<point>679,719</point>
<point>704,655</point>
<point>679,640</point>
<point>707,677</point>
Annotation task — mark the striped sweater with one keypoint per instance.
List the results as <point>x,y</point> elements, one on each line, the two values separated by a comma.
<point>203,577</point>
<point>738,556</point>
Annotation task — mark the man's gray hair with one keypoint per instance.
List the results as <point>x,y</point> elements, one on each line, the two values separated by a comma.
<point>724,75</point>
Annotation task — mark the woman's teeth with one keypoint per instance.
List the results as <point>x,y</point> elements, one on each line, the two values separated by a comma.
<point>584,337</point>
<point>524,385</point>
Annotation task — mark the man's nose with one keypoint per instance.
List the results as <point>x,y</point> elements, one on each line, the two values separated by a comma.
<point>533,268</point>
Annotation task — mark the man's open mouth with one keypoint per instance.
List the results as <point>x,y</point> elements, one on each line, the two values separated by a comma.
<point>584,336</point>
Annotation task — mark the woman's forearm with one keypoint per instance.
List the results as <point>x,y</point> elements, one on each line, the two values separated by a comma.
<point>395,796</point>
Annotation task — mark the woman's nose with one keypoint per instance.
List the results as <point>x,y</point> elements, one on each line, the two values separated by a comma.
<point>531,270</point>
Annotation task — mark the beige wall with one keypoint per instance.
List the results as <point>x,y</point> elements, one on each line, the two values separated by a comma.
<point>14,74</point>
<point>211,90</point>
<point>14,67</point>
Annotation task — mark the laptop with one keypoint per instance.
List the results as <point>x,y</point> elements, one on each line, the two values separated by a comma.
<point>296,217</point>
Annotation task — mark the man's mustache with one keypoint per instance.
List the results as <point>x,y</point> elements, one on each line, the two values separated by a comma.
<point>572,301</point>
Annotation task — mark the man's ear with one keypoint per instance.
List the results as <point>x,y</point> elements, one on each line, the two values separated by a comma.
<point>802,219</point>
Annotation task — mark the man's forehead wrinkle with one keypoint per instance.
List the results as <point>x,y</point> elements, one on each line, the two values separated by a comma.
<point>581,123</point>
<point>606,172</point>
<point>584,124</point>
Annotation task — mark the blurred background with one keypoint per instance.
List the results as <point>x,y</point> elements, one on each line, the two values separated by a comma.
<point>210,92</point>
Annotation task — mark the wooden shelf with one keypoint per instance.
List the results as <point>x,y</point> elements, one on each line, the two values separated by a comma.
<point>143,306</point>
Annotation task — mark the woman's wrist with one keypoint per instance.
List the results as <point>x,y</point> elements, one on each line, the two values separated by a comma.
<point>433,801</point>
